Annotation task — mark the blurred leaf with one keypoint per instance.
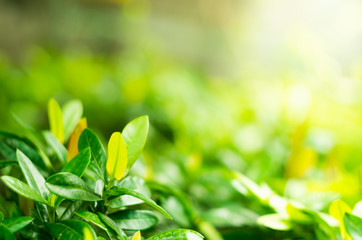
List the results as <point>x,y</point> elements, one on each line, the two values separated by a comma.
<point>21,188</point>
<point>135,136</point>
<point>6,234</point>
<point>56,145</point>
<point>275,221</point>
<point>117,157</point>
<point>70,186</point>
<point>5,163</point>
<point>134,219</point>
<point>98,156</point>
<point>17,223</point>
<point>338,209</point>
<point>74,138</point>
<point>88,234</point>
<point>177,234</point>
<point>136,236</point>
<point>117,191</point>
<point>353,226</point>
<point>56,120</point>
<point>72,112</point>
<point>79,226</point>
<point>61,231</point>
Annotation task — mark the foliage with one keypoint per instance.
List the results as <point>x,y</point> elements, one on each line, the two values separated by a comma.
<point>86,196</point>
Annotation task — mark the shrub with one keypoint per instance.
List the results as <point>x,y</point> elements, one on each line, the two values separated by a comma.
<point>78,192</point>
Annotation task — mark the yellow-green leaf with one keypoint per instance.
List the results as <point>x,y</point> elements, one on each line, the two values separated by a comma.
<point>137,236</point>
<point>338,209</point>
<point>74,138</point>
<point>87,234</point>
<point>117,157</point>
<point>56,120</point>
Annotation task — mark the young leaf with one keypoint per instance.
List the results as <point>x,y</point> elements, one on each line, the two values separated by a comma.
<point>98,156</point>
<point>72,112</point>
<point>337,210</point>
<point>32,175</point>
<point>79,163</point>
<point>111,224</point>
<point>88,234</point>
<point>117,157</point>
<point>56,120</point>
<point>117,191</point>
<point>74,138</point>
<point>136,236</point>
<point>56,145</point>
<point>134,219</point>
<point>70,186</point>
<point>353,226</point>
<point>6,234</point>
<point>17,223</point>
<point>92,218</point>
<point>135,136</point>
<point>177,234</point>
<point>22,189</point>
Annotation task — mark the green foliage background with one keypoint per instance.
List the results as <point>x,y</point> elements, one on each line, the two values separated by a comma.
<point>241,85</point>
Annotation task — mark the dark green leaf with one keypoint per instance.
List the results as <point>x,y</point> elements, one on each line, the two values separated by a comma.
<point>111,224</point>
<point>5,163</point>
<point>79,163</point>
<point>117,191</point>
<point>78,226</point>
<point>70,186</point>
<point>98,156</point>
<point>61,231</point>
<point>17,223</point>
<point>92,218</point>
<point>134,219</point>
<point>21,188</point>
<point>5,233</point>
<point>177,234</point>
<point>32,175</point>
<point>353,226</point>
<point>71,209</point>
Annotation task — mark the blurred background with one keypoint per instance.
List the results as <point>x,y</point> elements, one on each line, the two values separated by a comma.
<point>272,89</point>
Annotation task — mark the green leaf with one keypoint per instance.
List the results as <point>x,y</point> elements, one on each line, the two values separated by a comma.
<point>92,218</point>
<point>135,135</point>
<point>111,224</point>
<point>117,191</point>
<point>117,157</point>
<point>70,186</point>
<point>33,177</point>
<point>71,209</point>
<point>61,231</point>
<point>6,234</point>
<point>133,183</point>
<point>78,226</point>
<point>353,226</point>
<point>56,145</point>
<point>177,234</point>
<point>5,163</point>
<point>134,219</point>
<point>1,216</point>
<point>21,188</point>
<point>98,156</point>
<point>275,221</point>
<point>337,210</point>
<point>17,223</point>
<point>56,120</point>
<point>79,163</point>
<point>72,113</point>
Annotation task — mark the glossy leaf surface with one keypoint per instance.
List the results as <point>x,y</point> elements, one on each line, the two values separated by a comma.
<point>177,234</point>
<point>117,157</point>
<point>134,219</point>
